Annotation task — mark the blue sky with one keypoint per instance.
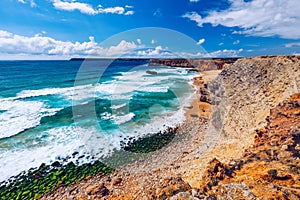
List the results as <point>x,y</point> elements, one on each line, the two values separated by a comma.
<point>61,29</point>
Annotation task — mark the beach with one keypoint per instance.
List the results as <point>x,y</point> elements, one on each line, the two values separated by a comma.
<point>196,164</point>
<point>171,163</point>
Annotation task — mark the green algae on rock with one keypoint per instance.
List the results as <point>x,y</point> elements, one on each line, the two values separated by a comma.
<point>37,182</point>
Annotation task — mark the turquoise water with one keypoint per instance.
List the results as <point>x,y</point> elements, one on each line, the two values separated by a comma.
<point>53,110</point>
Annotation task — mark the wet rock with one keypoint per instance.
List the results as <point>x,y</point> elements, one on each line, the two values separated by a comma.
<point>56,164</point>
<point>116,181</point>
<point>98,189</point>
<point>151,72</point>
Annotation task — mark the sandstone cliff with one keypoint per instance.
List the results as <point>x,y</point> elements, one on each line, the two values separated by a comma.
<point>245,92</point>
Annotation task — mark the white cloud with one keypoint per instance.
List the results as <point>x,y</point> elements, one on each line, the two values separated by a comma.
<point>221,43</point>
<point>88,9</point>
<point>13,44</point>
<point>129,12</point>
<point>236,42</point>
<point>194,17</point>
<point>127,6</point>
<point>257,17</point>
<point>153,41</point>
<point>71,6</point>
<point>4,34</point>
<point>214,54</point>
<point>42,47</point>
<point>151,52</point>
<point>293,44</point>
<point>157,13</point>
<point>226,53</point>
<point>139,41</point>
<point>114,10</point>
<point>194,0</point>
<point>201,41</point>
<point>31,2</point>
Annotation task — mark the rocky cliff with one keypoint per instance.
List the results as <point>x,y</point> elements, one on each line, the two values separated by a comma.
<point>196,63</point>
<point>249,148</point>
<point>270,169</point>
<point>244,93</point>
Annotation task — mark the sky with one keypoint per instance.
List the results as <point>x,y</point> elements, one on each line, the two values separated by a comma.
<point>62,29</point>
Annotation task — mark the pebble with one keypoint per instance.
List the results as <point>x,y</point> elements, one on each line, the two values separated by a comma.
<point>116,181</point>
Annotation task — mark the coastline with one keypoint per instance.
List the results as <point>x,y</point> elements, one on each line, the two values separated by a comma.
<point>217,143</point>
<point>198,165</point>
<point>47,173</point>
<point>165,163</point>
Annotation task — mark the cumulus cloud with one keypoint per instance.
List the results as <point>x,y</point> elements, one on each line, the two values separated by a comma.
<point>257,17</point>
<point>14,44</point>
<point>158,51</point>
<point>40,46</point>
<point>153,41</point>
<point>201,41</point>
<point>4,34</point>
<point>89,9</point>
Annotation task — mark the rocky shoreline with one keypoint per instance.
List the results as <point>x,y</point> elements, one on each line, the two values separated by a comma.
<point>223,155</point>
<point>241,141</point>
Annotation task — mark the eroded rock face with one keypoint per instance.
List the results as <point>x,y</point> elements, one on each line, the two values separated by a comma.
<point>251,87</point>
<point>271,168</point>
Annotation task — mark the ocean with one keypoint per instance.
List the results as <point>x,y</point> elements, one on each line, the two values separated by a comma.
<point>83,110</point>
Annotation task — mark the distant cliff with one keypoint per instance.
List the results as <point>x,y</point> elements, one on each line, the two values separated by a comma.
<point>197,63</point>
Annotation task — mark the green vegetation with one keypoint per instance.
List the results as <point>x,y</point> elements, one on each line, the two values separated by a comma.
<point>46,178</point>
<point>151,143</point>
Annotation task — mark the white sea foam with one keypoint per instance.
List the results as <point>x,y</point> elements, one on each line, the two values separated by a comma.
<point>117,119</point>
<point>118,106</point>
<point>21,115</point>
<point>152,88</point>
<point>62,141</point>
<point>123,118</point>
<point>106,116</point>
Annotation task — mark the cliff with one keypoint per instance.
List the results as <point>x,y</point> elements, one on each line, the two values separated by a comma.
<point>246,91</point>
<point>197,64</point>
<point>270,168</point>
<point>247,147</point>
